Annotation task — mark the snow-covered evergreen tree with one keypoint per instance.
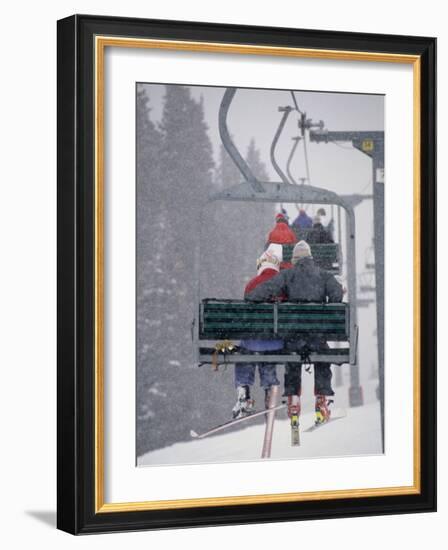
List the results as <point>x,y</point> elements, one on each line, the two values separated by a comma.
<point>265,215</point>
<point>151,289</point>
<point>175,174</point>
<point>174,177</point>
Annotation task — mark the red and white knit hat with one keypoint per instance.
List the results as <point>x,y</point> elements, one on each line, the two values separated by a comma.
<point>271,258</point>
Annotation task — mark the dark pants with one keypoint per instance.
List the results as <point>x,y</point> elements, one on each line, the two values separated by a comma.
<point>322,379</point>
<point>322,371</point>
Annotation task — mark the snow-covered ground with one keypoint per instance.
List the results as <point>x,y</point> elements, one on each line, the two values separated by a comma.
<point>354,434</point>
<point>357,433</point>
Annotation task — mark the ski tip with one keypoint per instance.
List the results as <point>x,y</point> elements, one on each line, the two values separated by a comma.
<point>193,434</point>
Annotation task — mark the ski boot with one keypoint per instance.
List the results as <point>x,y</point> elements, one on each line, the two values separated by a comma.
<point>294,413</point>
<point>322,409</point>
<point>293,405</point>
<point>244,405</point>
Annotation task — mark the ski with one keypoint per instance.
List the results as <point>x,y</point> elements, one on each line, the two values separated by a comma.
<point>270,406</point>
<point>317,426</point>
<point>231,423</point>
<point>294,414</point>
<point>295,434</point>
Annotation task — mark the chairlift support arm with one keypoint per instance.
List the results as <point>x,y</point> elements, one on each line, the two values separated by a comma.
<point>291,155</point>
<point>286,111</point>
<point>369,143</point>
<point>372,145</point>
<point>229,146</point>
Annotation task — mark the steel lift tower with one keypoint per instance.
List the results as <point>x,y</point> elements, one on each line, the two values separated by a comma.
<point>372,145</point>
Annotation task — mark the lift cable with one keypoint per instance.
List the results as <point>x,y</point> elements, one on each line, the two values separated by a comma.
<point>291,155</point>
<point>341,146</point>
<point>369,183</point>
<point>295,102</point>
<point>307,165</point>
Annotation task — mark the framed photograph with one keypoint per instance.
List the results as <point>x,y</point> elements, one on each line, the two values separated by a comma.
<point>246,274</point>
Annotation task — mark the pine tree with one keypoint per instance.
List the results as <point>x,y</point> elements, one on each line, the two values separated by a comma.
<point>227,173</point>
<point>174,178</point>
<point>187,160</point>
<point>253,159</point>
<point>150,259</point>
<point>148,171</point>
<point>221,271</point>
<point>242,228</point>
<point>265,215</point>
<point>184,173</point>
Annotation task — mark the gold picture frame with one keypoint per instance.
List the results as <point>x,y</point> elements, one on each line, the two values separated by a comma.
<point>81,35</point>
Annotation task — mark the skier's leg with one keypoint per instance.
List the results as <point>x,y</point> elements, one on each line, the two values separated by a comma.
<point>293,379</point>
<point>322,390</point>
<point>322,373</point>
<point>244,374</point>
<point>293,388</point>
<point>244,379</point>
<point>268,375</point>
<point>322,379</point>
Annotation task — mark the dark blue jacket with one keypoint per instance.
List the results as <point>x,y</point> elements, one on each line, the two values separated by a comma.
<point>303,221</point>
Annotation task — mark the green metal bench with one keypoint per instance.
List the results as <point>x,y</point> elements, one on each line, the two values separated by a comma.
<point>232,320</point>
<point>326,256</point>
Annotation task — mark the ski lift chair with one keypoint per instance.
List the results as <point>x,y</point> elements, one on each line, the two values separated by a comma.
<point>370,258</point>
<point>367,282</point>
<point>220,324</point>
<point>224,322</point>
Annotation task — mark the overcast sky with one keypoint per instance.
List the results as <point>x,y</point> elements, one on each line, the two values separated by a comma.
<point>254,113</point>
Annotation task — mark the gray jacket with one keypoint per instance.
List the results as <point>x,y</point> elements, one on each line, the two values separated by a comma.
<point>305,282</point>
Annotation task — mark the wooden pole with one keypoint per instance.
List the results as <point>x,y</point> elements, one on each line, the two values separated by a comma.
<point>270,418</point>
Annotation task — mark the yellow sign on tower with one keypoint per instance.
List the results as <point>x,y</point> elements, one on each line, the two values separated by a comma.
<point>367,145</point>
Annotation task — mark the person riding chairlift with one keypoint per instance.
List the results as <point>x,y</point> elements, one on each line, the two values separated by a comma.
<point>305,282</point>
<point>303,221</point>
<point>318,234</point>
<point>282,234</point>
<point>268,265</point>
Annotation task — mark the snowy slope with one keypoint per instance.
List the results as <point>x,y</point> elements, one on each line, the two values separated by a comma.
<point>358,433</point>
